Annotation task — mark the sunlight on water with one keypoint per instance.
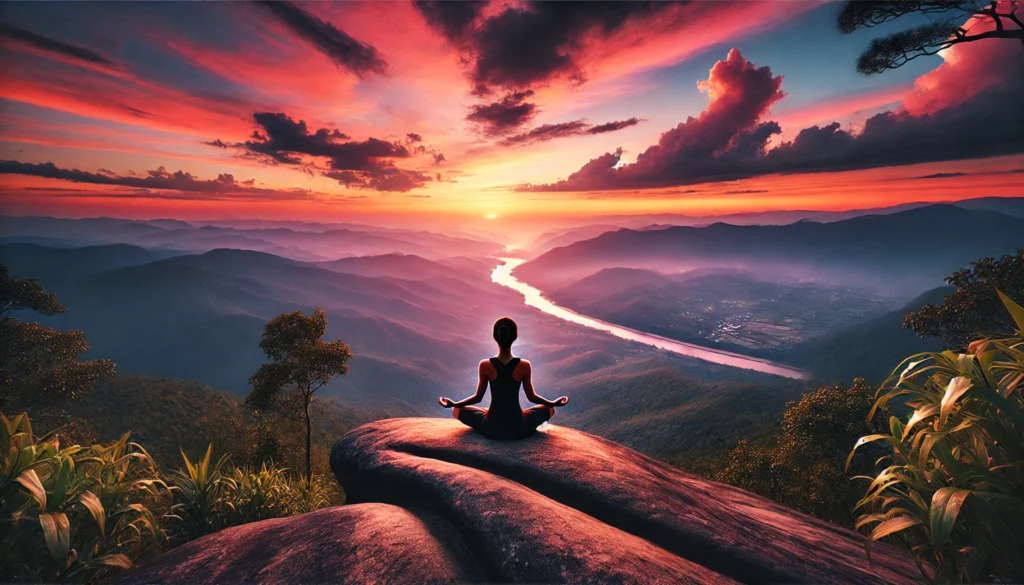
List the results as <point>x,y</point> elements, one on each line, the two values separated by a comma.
<point>503,275</point>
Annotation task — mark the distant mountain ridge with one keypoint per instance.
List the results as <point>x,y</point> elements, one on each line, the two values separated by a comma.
<point>317,242</point>
<point>1012,206</point>
<point>897,249</point>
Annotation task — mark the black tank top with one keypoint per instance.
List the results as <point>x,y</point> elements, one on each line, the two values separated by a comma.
<point>505,393</point>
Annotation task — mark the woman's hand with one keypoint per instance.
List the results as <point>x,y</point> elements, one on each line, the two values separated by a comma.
<point>445,402</point>
<point>561,401</point>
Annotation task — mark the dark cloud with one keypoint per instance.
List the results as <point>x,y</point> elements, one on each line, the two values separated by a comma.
<point>284,140</point>
<point>218,143</point>
<point>223,187</point>
<point>451,19</point>
<point>53,46</point>
<point>976,128</point>
<point>535,42</point>
<point>360,58</point>
<point>547,132</point>
<point>438,158</point>
<point>365,164</point>
<point>505,115</point>
<point>746,191</point>
<point>384,177</point>
<point>613,126</point>
<point>728,140</point>
<point>941,176</point>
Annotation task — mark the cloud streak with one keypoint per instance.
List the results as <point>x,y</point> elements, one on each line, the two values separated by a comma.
<point>52,46</point>
<point>223,187</point>
<point>345,51</point>
<point>548,132</point>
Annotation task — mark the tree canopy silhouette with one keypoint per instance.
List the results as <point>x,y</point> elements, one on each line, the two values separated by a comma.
<point>974,309</point>
<point>946,28</point>
<point>301,364</point>
<point>40,364</point>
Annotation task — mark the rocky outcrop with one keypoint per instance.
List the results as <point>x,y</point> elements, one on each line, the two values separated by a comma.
<point>567,507</point>
<point>362,544</point>
<point>433,502</point>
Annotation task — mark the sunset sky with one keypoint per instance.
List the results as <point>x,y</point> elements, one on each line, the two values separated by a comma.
<point>421,110</point>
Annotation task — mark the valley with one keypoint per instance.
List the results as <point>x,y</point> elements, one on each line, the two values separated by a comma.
<point>674,363</point>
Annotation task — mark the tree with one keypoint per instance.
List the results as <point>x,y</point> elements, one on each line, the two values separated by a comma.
<point>802,463</point>
<point>39,364</point>
<point>943,31</point>
<point>974,309</point>
<point>301,364</point>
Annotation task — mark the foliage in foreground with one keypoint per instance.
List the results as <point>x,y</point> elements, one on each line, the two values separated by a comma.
<point>82,514</point>
<point>953,488</point>
<point>209,496</point>
<point>74,513</point>
<point>802,463</point>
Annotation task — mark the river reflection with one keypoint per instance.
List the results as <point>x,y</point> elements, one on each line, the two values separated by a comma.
<point>503,275</point>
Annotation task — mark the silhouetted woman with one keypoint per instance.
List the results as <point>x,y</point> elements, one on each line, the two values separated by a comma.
<point>505,373</point>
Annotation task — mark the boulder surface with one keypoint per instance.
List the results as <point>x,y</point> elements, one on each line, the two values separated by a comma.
<point>432,502</point>
<point>564,506</point>
<point>361,544</point>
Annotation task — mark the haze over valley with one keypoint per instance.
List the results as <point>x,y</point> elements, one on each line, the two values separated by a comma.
<point>188,300</point>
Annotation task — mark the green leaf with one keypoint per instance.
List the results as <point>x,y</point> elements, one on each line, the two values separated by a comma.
<point>57,532</point>
<point>1016,311</point>
<point>60,484</point>
<point>946,503</point>
<point>30,480</point>
<point>95,507</point>
<point>954,390</point>
<point>118,560</point>
<point>893,525</point>
<point>919,415</point>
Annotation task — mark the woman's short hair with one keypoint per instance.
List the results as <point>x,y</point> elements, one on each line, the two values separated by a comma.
<point>505,331</point>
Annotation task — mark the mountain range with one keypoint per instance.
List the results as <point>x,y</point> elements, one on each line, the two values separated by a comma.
<point>1012,206</point>
<point>897,251</point>
<point>296,240</point>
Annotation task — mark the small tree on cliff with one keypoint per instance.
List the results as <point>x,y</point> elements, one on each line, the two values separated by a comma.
<point>40,364</point>
<point>301,363</point>
<point>945,28</point>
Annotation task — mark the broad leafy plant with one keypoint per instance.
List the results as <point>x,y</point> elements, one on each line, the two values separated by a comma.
<point>952,489</point>
<point>73,513</point>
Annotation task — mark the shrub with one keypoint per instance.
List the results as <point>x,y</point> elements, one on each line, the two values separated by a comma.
<point>210,495</point>
<point>258,494</point>
<point>73,513</point>
<point>801,464</point>
<point>953,489</point>
<point>202,502</point>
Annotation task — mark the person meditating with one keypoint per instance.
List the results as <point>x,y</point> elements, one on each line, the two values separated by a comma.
<point>505,373</point>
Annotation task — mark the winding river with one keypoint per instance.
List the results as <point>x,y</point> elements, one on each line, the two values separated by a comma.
<point>503,275</point>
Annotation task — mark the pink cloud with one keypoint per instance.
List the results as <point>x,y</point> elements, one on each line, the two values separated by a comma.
<point>967,69</point>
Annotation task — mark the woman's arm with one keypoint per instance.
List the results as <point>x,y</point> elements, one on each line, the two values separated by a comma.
<point>531,392</point>
<point>478,396</point>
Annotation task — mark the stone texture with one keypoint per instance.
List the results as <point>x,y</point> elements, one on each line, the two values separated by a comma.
<point>356,544</point>
<point>564,506</point>
<point>432,502</point>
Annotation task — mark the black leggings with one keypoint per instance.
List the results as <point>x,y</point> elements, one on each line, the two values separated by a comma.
<point>476,419</point>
